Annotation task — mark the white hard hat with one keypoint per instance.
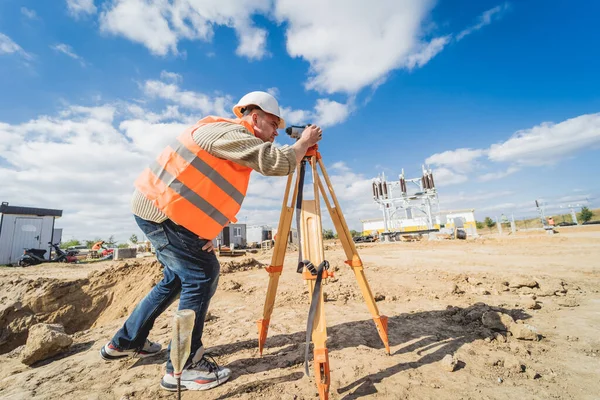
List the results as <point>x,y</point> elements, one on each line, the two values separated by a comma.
<point>262,100</point>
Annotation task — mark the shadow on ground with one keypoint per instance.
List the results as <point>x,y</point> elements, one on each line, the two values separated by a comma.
<point>447,330</point>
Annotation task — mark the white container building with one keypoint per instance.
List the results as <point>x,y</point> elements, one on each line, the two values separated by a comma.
<point>25,228</point>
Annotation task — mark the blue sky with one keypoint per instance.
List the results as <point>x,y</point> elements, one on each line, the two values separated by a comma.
<point>501,99</point>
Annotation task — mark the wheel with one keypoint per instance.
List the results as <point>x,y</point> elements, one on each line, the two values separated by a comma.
<point>25,263</point>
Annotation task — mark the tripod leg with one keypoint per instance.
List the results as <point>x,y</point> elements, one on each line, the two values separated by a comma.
<point>352,257</point>
<point>277,259</point>
<point>312,249</point>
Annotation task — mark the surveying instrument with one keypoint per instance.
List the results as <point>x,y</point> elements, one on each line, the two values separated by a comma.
<point>311,254</point>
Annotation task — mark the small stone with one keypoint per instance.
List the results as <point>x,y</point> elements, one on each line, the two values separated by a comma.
<point>210,317</point>
<point>379,297</point>
<point>449,363</point>
<point>500,380</point>
<point>568,302</point>
<point>533,374</point>
<point>500,338</point>
<point>546,292</point>
<point>523,282</point>
<point>498,362</point>
<point>518,348</point>
<point>524,332</point>
<point>454,289</point>
<point>496,321</point>
<point>500,287</point>
<point>513,365</point>
<point>532,305</point>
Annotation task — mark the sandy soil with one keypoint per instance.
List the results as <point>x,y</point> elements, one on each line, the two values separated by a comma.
<point>434,293</point>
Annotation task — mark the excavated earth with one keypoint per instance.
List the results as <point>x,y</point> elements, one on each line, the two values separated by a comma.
<point>444,300</point>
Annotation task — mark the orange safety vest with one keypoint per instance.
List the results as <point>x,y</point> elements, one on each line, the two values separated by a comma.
<point>193,188</point>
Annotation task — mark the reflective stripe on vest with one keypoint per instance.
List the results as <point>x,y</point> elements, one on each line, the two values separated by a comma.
<point>194,188</point>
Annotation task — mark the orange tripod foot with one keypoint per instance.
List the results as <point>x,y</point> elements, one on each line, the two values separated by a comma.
<point>263,328</point>
<point>322,379</point>
<point>382,328</point>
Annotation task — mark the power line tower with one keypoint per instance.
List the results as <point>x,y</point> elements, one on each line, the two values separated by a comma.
<point>571,208</point>
<point>397,202</point>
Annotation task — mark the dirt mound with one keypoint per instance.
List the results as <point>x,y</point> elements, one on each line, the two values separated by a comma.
<point>81,304</point>
<point>76,304</point>
<point>242,264</point>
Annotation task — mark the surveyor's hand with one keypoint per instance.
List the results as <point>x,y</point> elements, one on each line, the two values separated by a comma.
<point>208,246</point>
<point>312,134</point>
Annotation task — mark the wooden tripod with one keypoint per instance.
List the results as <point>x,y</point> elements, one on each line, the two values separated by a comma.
<point>312,249</point>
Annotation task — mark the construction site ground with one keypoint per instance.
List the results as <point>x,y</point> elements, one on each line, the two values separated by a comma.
<point>434,293</point>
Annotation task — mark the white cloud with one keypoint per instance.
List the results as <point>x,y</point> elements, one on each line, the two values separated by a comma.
<point>296,117</point>
<point>329,112</point>
<point>28,13</point>
<point>326,113</point>
<point>426,52</point>
<point>351,44</point>
<point>80,8</point>
<point>491,176</point>
<point>219,105</point>
<point>253,42</point>
<point>484,19</point>
<point>461,160</point>
<point>160,25</point>
<point>170,76</point>
<point>8,46</point>
<point>543,144</point>
<point>273,91</point>
<point>446,177</point>
<point>547,143</point>
<point>68,50</point>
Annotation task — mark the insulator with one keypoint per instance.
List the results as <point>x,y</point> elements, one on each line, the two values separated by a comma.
<point>423,182</point>
<point>432,182</point>
<point>380,189</point>
<point>375,191</point>
<point>385,191</point>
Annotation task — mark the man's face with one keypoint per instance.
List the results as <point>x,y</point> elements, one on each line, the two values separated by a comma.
<point>265,125</point>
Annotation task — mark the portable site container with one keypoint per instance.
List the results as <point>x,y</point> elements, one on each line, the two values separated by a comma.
<point>256,234</point>
<point>26,228</point>
<point>232,234</point>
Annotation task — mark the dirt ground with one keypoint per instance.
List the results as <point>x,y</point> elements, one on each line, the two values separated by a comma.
<point>435,294</point>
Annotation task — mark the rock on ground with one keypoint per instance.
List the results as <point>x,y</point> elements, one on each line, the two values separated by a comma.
<point>449,363</point>
<point>523,282</point>
<point>496,321</point>
<point>45,341</point>
<point>524,332</point>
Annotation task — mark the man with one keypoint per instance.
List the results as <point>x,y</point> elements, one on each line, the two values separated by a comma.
<point>182,202</point>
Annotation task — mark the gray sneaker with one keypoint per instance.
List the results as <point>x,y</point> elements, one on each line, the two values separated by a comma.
<point>202,375</point>
<point>110,352</point>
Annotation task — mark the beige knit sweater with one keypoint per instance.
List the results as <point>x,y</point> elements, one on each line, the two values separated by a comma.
<point>230,142</point>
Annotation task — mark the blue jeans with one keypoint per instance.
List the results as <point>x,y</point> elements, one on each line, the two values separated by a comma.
<point>188,271</point>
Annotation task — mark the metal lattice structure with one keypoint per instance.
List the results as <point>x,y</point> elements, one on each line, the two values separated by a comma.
<point>406,199</point>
